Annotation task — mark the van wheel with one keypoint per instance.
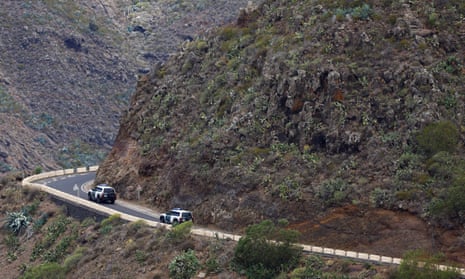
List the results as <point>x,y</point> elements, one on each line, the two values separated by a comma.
<point>175,223</point>
<point>162,219</point>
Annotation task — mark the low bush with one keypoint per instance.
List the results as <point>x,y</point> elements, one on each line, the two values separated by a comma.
<point>311,269</point>
<point>436,137</point>
<point>73,260</point>
<point>180,233</point>
<point>415,265</point>
<point>40,222</point>
<point>184,266</point>
<point>266,239</point>
<point>334,192</point>
<point>442,165</point>
<point>449,205</point>
<point>141,256</point>
<point>114,219</point>
<point>106,229</point>
<point>45,271</point>
<point>381,198</point>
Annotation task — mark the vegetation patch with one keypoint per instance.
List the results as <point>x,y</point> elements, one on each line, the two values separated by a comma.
<point>439,136</point>
<point>274,242</point>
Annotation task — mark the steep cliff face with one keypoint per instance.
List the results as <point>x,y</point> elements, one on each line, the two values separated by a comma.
<point>299,108</point>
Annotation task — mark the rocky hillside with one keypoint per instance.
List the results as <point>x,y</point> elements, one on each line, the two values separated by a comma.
<point>343,117</point>
<point>64,83</point>
<point>68,68</point>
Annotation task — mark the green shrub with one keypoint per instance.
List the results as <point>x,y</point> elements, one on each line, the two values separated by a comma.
<point>73,260</point>
<point>288,189</point>
<point>381,198</point>
<point>214,263</point>
<point>451,205</point>
<point>410,268</point>
<point>184,266</point>
<point>436,207</point>
<point>55,230</point>
<point>141,256</point>
<point>409,161</point>
<point>107,224</point>
<point>31,209</point>
<point>180,233</point>
<point>436,137</point>
<point>442,165</point>
<point>312,269</point>
<point>433,19</point>
<point>333,192</point>
<point>362,12</point>
<point>266,239</point>
<point>54,255</point>
<point>106,229</point>
<point>37,251</point>
<point>40,222</point>
<point>51,234</point>
<point>451,65</point>
<point>45,271</point>
<point>114,219</point>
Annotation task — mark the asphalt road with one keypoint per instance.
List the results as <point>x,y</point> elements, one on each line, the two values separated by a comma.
<point>75,184</point>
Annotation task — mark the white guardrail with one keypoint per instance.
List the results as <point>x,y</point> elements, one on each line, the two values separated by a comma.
<point>29,182</point>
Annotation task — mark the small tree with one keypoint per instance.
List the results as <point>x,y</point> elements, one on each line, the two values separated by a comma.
<point>440,136</point>
<point>184,266</point>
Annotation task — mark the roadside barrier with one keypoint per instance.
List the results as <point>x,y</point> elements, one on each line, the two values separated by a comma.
<point>324,251</point>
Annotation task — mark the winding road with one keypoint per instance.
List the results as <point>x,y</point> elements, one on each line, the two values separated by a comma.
<point>72,185</point>
<point>77,185</point>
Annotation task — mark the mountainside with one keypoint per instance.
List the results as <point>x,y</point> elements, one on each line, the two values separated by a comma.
<point>64,83</point>
<point>68,68</point>
<point>343,117</point>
